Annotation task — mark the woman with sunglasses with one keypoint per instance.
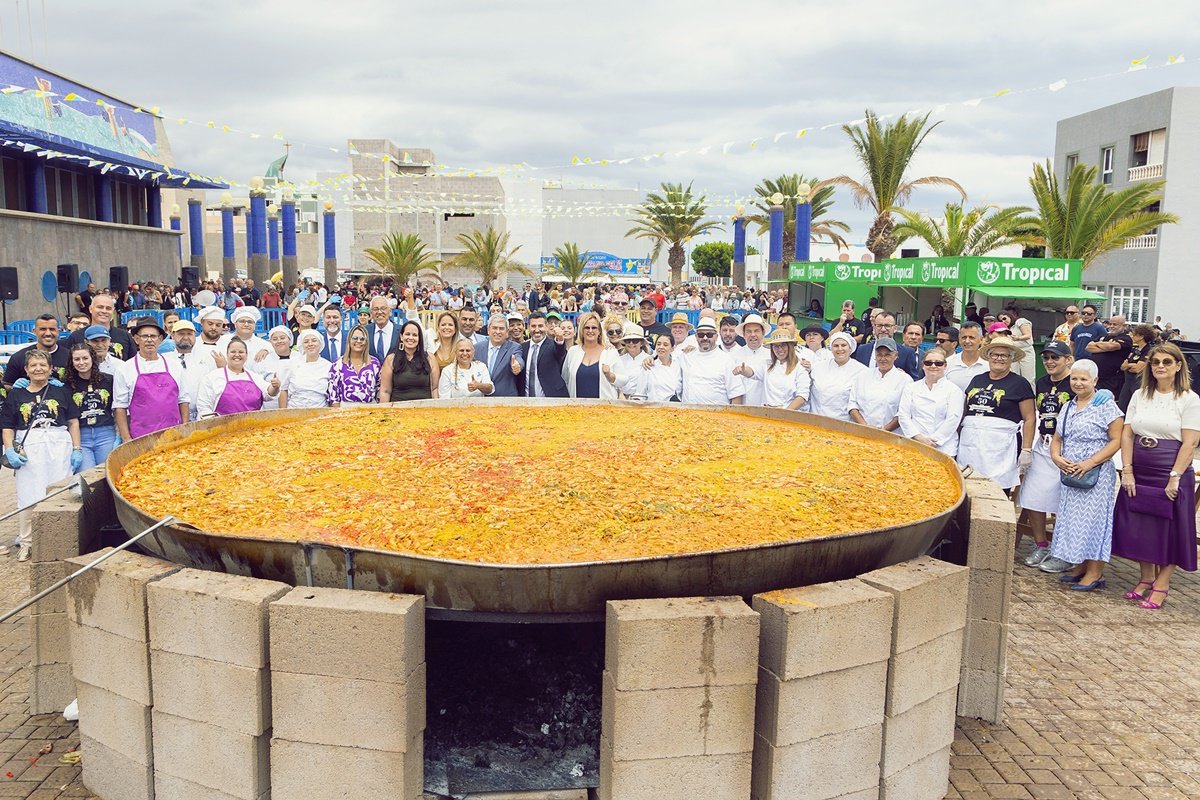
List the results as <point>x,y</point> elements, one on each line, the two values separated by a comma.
<point>354,378</point>
<point>998,408</point>
<point>1155,519</point>
<point>931,408</point>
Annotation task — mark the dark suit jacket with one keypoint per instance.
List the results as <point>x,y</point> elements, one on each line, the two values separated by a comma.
<point>391,345</point>
<point>327,351</point>
<point>906,358</point>
<point>507,384</point>
<point>549,368</point>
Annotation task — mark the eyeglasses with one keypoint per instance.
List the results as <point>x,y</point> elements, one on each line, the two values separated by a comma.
<point>357,339</point>
<point>614,332</point>
<point>1161,362</point>
<point>941,341</point>
<point>706,334</point>
<point>591,327</point>
<point>1000,356</point>
<point>1051,356</point>
<point>1071,311</point>
<point>934,363</point>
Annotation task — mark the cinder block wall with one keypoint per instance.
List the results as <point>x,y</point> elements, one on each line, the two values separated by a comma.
<point>677,718</point>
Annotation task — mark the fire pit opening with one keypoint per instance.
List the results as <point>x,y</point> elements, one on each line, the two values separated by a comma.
<point>512,706</point>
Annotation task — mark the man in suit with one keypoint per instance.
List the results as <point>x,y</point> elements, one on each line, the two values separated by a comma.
<point>333,344</point>
<point>503,359</point>
<point>884,326</point>
<point>544,359</point>
<point>382,333</point>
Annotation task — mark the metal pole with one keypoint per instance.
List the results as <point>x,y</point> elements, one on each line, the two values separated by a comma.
<point>58,585</point>
<point>57,491</point>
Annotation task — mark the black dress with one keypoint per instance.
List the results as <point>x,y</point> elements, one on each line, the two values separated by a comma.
<point>410,385</point>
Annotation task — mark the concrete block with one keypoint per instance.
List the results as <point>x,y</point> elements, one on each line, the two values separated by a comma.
<point>51,688</point>
<point>981,694</point>
<point>213,615</point>
<point>823,628</point>
<point>715,777</point>
<point>993,534</point>
<point>678,642</point>
<point>111,662</point>
<point>841,764</point>
<point>912,735</point>
<point>118,723</point>
<point>51,638</point>
<point>928,669</point>
<point>928,779</point>
<point>55,526</point>
<point>930,599</point>
<point>372,715</point>
<point>980,487</point>
<point>112,596</point>
<point>795,711</point>
<point>187,687</point>
<point>669,723</point>
<point>113,776</point>
<point>211,756</point>
<point>302,771</point>
<point>168,787</point>
<point>548,794</point>
<point>989,595</point>
<point>985,646</point>
<point>328,631</point>
<point>43,575</point>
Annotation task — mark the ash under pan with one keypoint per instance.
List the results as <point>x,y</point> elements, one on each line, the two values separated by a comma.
<point>562,591</point>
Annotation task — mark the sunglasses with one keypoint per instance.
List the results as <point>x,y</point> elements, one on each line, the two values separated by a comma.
<point>941,341</point>
<point>614,332</point>
<point>1051,357</point>
<point>934,363</point>
<point>1161,362</point>
<point>1071,311</point>
<point>706,334</point>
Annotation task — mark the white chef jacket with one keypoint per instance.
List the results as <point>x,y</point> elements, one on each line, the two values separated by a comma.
<point>876,395</point>
<point>192,367</point>
<point>664,382</point>
<point>126,376</point>
<point>933,412</point>
<point>831,388</point>
<point>254,346</point>
<point>780,387</point>
<point>268,368</point>
<point>632,378</point>
<point>214,383</point>
<point>708,378</point>
<point>307,382</point>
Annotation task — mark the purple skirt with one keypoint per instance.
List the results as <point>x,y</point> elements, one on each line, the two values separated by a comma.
<point>1157,540</point>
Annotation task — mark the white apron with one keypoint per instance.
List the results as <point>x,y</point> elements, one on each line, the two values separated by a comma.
<point>989,446</point>
<point>1040,488</point>
<point>49,454</point>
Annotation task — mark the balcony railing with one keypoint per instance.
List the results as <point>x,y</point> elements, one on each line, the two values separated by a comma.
<point>1145,173</point>
<point>1147,242</point>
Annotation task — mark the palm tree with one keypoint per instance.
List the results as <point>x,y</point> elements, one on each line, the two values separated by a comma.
<point>973,232</point>
<point>572,264</point>
<point>487,255</point>
<point>820,198</point>
<point>1084,220</point>
<point>671,218</point>
<point>885,152</point>
<point>403,257</point>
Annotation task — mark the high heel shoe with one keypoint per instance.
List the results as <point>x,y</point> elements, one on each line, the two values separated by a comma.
<point>1149,605</point>
<point>1134,594</point>
<point>1099,583</point>
<point>1069,578</point>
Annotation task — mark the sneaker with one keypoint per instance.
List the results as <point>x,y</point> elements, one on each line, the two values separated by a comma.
<point>1055,565</point>
<point>71,712</point>
<point>23,553</point>
<point>1040,553</point>
<point>5,549</point>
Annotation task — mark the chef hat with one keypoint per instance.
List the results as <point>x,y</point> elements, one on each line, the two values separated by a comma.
<point>306,334</point>
<point>246,311</point>
<point>846,337</point>
<point>279,329</point>
<point>210,312</point>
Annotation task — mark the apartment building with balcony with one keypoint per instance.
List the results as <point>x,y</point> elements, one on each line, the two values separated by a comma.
<point>1153,137</point>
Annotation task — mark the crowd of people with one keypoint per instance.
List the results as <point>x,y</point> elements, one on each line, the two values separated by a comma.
<point>1108,389</point>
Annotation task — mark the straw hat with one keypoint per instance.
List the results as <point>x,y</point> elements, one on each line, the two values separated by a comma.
<point>632,331</point>
<point>781,336</point>
<point>1003,341</point>
<point>679,318</point>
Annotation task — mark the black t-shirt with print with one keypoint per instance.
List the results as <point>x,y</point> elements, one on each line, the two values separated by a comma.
<point>997,399</point>
<point>23,408</point>
<point>1050,397</point>
<point>121,347</point>
<point>60,362</point>
<point>93,402</point>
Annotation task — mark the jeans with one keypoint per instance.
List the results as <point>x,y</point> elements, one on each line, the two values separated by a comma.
<point>97,442</point>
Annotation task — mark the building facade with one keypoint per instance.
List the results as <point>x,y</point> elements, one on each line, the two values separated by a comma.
<point>1153,137</point>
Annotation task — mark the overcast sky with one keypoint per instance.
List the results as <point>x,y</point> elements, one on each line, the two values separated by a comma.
<point>490,83</point>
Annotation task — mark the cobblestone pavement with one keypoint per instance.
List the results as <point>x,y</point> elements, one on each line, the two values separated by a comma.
<point>1103,698</point>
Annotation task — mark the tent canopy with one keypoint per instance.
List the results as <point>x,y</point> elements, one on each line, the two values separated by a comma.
<point>1039,293</point>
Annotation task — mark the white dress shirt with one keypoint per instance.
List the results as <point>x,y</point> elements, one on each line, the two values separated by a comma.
<point>960,374</point>
<point>454,379</point>
<point>708,378</point>
<point>831,388</point>
<point>758,360</point>
<point>934,412</point>
<point>876,394</point>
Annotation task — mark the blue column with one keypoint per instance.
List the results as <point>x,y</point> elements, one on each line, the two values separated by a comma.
<point>258,219</point>
<point>104,198</point>
<point>249,237</point>
<point>153,207</point>
<point>739,240</point>
<point>330,237</point>
<point>35,186</point>
<point>288,221</point>
<point>176,225</point>
<point>273,238</point>
<point>776,247</point>
<point>803,231</point>
<point>226,232</point>
<point>196,229</point>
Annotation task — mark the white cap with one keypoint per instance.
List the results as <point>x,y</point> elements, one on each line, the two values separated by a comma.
<point>307,307</point>
<point>246,311</point>
<point>210,312</point>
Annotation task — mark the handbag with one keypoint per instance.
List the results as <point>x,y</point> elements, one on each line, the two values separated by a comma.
<point>1085,481</point>
<point>1152,501</point>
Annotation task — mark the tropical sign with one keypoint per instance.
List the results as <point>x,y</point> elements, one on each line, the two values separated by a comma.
<point>50,108</point>
<point>965,271</point>
<point>606,263</point>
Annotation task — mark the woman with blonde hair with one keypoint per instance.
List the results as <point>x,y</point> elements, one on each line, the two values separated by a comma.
<point>583,366</point>
<point>442,338</point>
<point>614,329</point>
<point>786,383</point>
<point>354,378</point>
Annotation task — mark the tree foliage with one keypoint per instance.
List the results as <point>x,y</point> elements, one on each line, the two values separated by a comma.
<point>713,259</point>
<point>671,218</point>
<point>486,253</point>
<point>403,257</point>
<point>572,264</point>
<point>820,198</point>
<point>968,232</point>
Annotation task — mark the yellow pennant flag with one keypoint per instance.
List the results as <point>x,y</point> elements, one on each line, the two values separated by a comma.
<point>211,124</point>
<point>154,110</point>
<point>575,160</point>
<point>801,132</point>
<point>71,98</point>
<point>277,135</point>
<point>1002,92</point>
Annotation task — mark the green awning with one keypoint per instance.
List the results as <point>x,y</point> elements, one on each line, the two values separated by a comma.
<point>1035,293</point>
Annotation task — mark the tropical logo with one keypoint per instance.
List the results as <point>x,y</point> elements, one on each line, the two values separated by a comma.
<point>989,272</point>
<point>842,272</point>
<point>926,273</point>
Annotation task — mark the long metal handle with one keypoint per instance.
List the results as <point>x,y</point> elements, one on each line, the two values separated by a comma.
<point>57,491</point>
<point>59,584</point>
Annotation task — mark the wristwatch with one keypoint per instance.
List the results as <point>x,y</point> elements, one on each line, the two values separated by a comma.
<point>1174,474</point>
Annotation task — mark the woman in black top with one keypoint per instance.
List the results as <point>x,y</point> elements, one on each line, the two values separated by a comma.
<point>1134,365</point>
<point>999,409</point>
<point>408,372</point>
<point>91,393</point>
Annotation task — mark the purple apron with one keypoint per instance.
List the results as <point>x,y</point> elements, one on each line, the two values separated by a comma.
<point>154,403</point>
<point>1157,540</point>
<point>239,396</point>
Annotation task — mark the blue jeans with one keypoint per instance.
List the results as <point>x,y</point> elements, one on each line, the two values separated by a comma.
<point>97,442</point>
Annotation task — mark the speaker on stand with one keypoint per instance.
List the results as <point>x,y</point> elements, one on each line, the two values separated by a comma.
<point>118,279</point>
<point>9,290</point>
<point>68,284</point>
<point>191,278</point>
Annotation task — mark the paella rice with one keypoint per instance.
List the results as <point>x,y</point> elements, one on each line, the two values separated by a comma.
<point>537,485</point>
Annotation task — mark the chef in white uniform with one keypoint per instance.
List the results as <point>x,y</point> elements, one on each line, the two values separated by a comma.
<point>708,377</point>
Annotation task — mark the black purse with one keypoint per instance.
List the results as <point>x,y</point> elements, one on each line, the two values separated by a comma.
<point>1085,481</point>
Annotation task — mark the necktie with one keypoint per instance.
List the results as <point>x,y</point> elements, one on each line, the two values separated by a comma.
<point>379,344</point>
<point>533,354</point>
<point>492,351</point>
<point>333,348</point>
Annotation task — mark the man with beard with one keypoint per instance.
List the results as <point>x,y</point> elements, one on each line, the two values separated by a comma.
<point>193,364</point>
<point>708,376</point>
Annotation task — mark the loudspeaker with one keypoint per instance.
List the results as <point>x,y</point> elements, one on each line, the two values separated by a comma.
<point>8,284</point>
<point>118,279</point>
<point>68,278</point>
<point>191,277</point>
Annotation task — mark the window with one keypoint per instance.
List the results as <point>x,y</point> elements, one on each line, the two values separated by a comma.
<point>1147,148</point>
<point>1131,301</point>
<point>70,193</point>
<point>1099,304</point>
<point>12,184</point>
<point>129,200</point>
<point>1106,166</point>
<point>1072,161</point>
